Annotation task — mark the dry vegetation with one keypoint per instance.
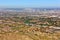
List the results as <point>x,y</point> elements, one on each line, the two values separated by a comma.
<point>10,30</point>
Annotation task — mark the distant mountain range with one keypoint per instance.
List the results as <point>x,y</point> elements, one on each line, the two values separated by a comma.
<point>30,8</point>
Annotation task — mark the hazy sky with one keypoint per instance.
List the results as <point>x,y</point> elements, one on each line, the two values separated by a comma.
<point>29,3</point>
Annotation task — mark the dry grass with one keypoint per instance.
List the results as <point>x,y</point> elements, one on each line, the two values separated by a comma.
<point>23,32</point>
<point>14,36</point>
